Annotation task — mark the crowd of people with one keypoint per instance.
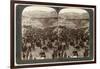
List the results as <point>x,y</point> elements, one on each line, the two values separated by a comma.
<point>54,43</point>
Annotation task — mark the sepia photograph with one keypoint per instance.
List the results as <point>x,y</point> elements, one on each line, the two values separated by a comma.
<point>47,34</point>
<point>51,34</point>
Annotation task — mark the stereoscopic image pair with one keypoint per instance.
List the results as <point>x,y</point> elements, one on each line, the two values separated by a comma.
<point>54,32</point>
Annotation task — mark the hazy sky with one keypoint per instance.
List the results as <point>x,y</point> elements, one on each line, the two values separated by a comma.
<point>43,16</point>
